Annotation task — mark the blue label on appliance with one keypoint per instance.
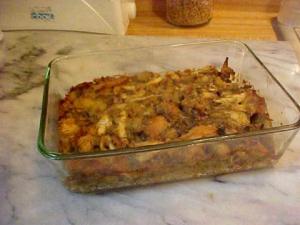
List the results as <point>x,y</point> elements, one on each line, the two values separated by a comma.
<point>42,13</point>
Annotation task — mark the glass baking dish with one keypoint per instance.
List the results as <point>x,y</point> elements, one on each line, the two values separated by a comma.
<point>100,171</point>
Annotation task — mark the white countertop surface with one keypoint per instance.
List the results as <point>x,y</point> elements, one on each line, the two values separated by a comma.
<point>31,193</point>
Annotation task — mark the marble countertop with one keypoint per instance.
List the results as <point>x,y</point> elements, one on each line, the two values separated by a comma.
<point>31,193</point>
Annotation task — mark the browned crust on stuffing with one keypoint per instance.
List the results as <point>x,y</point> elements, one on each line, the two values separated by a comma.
<point>148,108</point>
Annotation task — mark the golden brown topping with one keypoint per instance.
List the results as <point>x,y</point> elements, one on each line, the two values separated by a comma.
<point>240,118</point>
<point>125,111</point>
<point>173,75</point>
<point>86,143</point>
<point>104,123</point>
<point>155,81</point>
<point>200,131</point>
<point>171,110</point>
<point>68,127</point>
<point>108,82</point>
<point>122,125</point>
<point>155,127</point>
<point>106,143</point>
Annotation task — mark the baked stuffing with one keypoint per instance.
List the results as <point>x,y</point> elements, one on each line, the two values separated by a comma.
<point>151,108</point>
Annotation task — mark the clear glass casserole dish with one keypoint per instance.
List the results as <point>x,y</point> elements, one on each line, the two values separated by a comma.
<point>104,170</point>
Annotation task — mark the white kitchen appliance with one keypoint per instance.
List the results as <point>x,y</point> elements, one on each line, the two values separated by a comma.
<point>99,16</point>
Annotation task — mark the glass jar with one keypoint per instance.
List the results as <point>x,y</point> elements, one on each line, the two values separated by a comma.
<point>189,12</point>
